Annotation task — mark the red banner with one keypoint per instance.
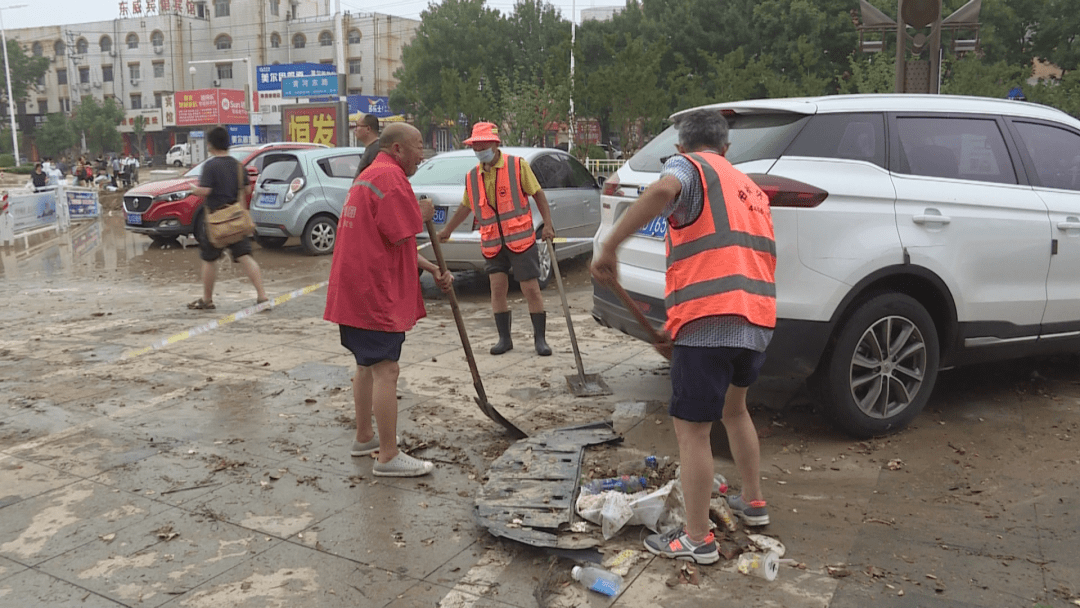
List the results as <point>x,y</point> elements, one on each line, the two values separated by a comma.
<point>210,107</point>
<point>310,124</point>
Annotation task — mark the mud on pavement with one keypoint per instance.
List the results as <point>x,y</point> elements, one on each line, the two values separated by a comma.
<point>215,471</point>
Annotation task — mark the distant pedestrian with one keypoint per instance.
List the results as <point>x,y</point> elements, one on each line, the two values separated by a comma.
<point>220,185</point>
<point>367,134</point>
<point>39,178</point>
<point>116,169</point>
<point>721,311</point>
<point>374,294</point>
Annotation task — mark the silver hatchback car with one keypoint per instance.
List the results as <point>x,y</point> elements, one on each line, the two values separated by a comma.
<point>300,193</point>
<point>571,190</point>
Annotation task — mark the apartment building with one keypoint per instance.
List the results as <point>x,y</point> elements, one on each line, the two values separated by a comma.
<point>146,54</point>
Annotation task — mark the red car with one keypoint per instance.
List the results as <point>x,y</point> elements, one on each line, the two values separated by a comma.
<point>167,209</point>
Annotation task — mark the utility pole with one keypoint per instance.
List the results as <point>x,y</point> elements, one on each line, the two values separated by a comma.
<point>570,128</point>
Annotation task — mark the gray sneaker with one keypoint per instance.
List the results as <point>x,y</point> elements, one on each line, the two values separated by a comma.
<point>754,514</point>
<point>675,544</point>
<point>402,465</point>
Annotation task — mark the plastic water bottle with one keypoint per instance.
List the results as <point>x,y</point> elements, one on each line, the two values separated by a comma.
<point>627,484</point>
<point>598,580</point>
<point>639,467</point>
<point>720,485</point>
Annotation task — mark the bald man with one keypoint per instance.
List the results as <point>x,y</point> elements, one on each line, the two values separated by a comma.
<point>374,295</point>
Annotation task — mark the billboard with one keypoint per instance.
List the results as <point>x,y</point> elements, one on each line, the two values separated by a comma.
<point>269,77</point>
<point>210,107</point>
<point>370,104</point>
<point>322,123</point>
<point>310,86</point>
<point>151,120</point>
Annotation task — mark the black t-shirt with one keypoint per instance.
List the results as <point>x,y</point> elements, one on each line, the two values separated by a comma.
<point>370,153</point>
<point>40,179</point>
<point>222,176</point>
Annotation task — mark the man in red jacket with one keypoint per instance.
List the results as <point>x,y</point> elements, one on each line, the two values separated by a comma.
<point>374,295</point>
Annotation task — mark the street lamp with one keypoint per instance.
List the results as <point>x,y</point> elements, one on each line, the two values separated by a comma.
<point>7,77</point>
<point>250,94</point>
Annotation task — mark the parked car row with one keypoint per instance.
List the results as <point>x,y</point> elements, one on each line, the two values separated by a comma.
<point>913,234</point>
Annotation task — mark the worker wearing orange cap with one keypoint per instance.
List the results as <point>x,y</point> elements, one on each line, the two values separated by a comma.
<point>498,191</point>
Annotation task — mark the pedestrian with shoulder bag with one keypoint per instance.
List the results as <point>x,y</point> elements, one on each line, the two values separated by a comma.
<point>224,189</point>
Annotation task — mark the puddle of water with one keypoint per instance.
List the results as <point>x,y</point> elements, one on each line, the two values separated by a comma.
<point>91,247</point>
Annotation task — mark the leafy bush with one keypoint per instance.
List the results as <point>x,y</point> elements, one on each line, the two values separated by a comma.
<point>7,160</point>
<point>23,169</point>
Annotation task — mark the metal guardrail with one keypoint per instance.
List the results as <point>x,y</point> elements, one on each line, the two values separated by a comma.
<point>603,166</point>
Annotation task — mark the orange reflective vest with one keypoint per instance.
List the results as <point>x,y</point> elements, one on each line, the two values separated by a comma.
<point>724,261</point>
<point>511,220</point>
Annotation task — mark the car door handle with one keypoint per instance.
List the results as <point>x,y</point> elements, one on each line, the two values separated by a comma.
<point>931,218</point>
<point>1070,223</point>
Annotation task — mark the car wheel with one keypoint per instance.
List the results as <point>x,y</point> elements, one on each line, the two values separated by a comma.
<point>178,163</point>
<point>546,269</point>
<point>271,242</point>
<point>319,235</point>
<point>882,367</point>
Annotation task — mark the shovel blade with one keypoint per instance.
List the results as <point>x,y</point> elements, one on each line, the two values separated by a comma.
<point>587,385</point>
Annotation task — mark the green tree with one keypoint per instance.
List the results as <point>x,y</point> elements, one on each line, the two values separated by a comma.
<point>1057,38</point>
<point>56,136</point>
<point>874,73</point>
<point>25,71</point>
<point>1008,30</point>
<point>98,122</point>
<point>138,130</point>
<point>527,108</point>
<point>462,39</point>
<point>970,76</point>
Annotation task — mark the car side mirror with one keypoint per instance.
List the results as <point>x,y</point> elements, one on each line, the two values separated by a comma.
<point>600,181</point>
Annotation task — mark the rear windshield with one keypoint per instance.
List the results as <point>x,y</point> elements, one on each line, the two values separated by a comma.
<point>446,171</point>
<point>280,169</point>
<point>752,137</point>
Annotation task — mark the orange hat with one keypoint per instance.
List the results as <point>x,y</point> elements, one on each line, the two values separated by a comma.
<point>483,131</point>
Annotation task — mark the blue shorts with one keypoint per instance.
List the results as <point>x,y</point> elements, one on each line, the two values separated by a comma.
<point>700,377</point>
<point>370,346</point>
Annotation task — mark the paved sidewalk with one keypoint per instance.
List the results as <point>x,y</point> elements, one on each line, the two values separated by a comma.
<point>215,472</point>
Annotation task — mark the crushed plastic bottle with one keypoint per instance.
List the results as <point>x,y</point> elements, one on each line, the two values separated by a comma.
<point>641,466</point>
<point>628,484</point>
<point>719,485</point>
<point>598,580</point>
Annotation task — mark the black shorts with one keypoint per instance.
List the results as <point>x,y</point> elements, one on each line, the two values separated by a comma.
<point>370,346</point>
<point>209,253</point>
<point>526,265</point>
<point>700,377</point>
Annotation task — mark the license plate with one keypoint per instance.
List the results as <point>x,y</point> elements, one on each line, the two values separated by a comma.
<point>440,215</point>
<point>656,229</point>
<point>268,199</point>
<point>134,219</point>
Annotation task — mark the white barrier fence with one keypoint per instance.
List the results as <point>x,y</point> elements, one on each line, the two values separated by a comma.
<point>602,166</point>
<point>24,213</point>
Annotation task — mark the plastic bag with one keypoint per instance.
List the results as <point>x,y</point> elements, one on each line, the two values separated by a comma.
<point>614,510</point>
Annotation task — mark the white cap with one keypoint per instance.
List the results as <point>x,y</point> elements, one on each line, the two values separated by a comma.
<point>575,572</point>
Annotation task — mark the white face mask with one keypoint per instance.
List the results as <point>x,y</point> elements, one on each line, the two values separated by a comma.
<point>485,156</point>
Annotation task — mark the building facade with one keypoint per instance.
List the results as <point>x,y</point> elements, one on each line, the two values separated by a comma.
<point>155,48</point>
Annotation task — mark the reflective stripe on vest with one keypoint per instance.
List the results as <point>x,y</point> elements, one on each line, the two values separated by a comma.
<point>724,261</point>
<point>512,221</point>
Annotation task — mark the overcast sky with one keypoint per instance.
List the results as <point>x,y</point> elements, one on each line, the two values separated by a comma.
<point>63,12</point>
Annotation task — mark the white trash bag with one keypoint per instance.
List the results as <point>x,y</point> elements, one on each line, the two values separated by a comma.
<point>613,510</point>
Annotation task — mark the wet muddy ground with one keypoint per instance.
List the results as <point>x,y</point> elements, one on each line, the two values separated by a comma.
<point>215,471</point>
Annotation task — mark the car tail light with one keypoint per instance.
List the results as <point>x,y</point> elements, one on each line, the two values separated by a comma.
<point>784,192</point>
<point>611,185</point>
<point>294,187</point>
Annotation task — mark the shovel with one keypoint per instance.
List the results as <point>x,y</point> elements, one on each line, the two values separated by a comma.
<point>628,302</point>
<point>581,385</point>
<point>481,396</point>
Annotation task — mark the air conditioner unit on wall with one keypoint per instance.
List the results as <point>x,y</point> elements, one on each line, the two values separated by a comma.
<point>217,83</point>
<point>134,82</point>
<point>97,85</point>
<point>159,49</point>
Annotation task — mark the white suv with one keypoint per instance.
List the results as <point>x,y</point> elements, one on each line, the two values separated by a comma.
<point>914,233</point>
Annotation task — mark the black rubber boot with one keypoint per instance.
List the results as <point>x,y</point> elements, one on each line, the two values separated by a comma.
<point>502,323</point>
<point>539,321</point>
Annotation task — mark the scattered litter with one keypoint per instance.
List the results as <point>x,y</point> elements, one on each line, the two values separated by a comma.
<point>621,562</point>
<point>613,510</point>
<point>895,464</point>
<point>768,543</point>
<point>108,538</point>
<point>764,565</point>
<point>166,533</point>
<point>839,571</point>
<point>598,580</point>
<point>720,512</point>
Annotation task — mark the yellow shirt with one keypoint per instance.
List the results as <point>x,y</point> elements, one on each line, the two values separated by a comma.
<point>529,185</point>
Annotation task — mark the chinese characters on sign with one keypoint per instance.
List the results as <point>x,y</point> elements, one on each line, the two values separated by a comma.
<point>311,124</point>
<point>141,8</point>
<point>210,107</point>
